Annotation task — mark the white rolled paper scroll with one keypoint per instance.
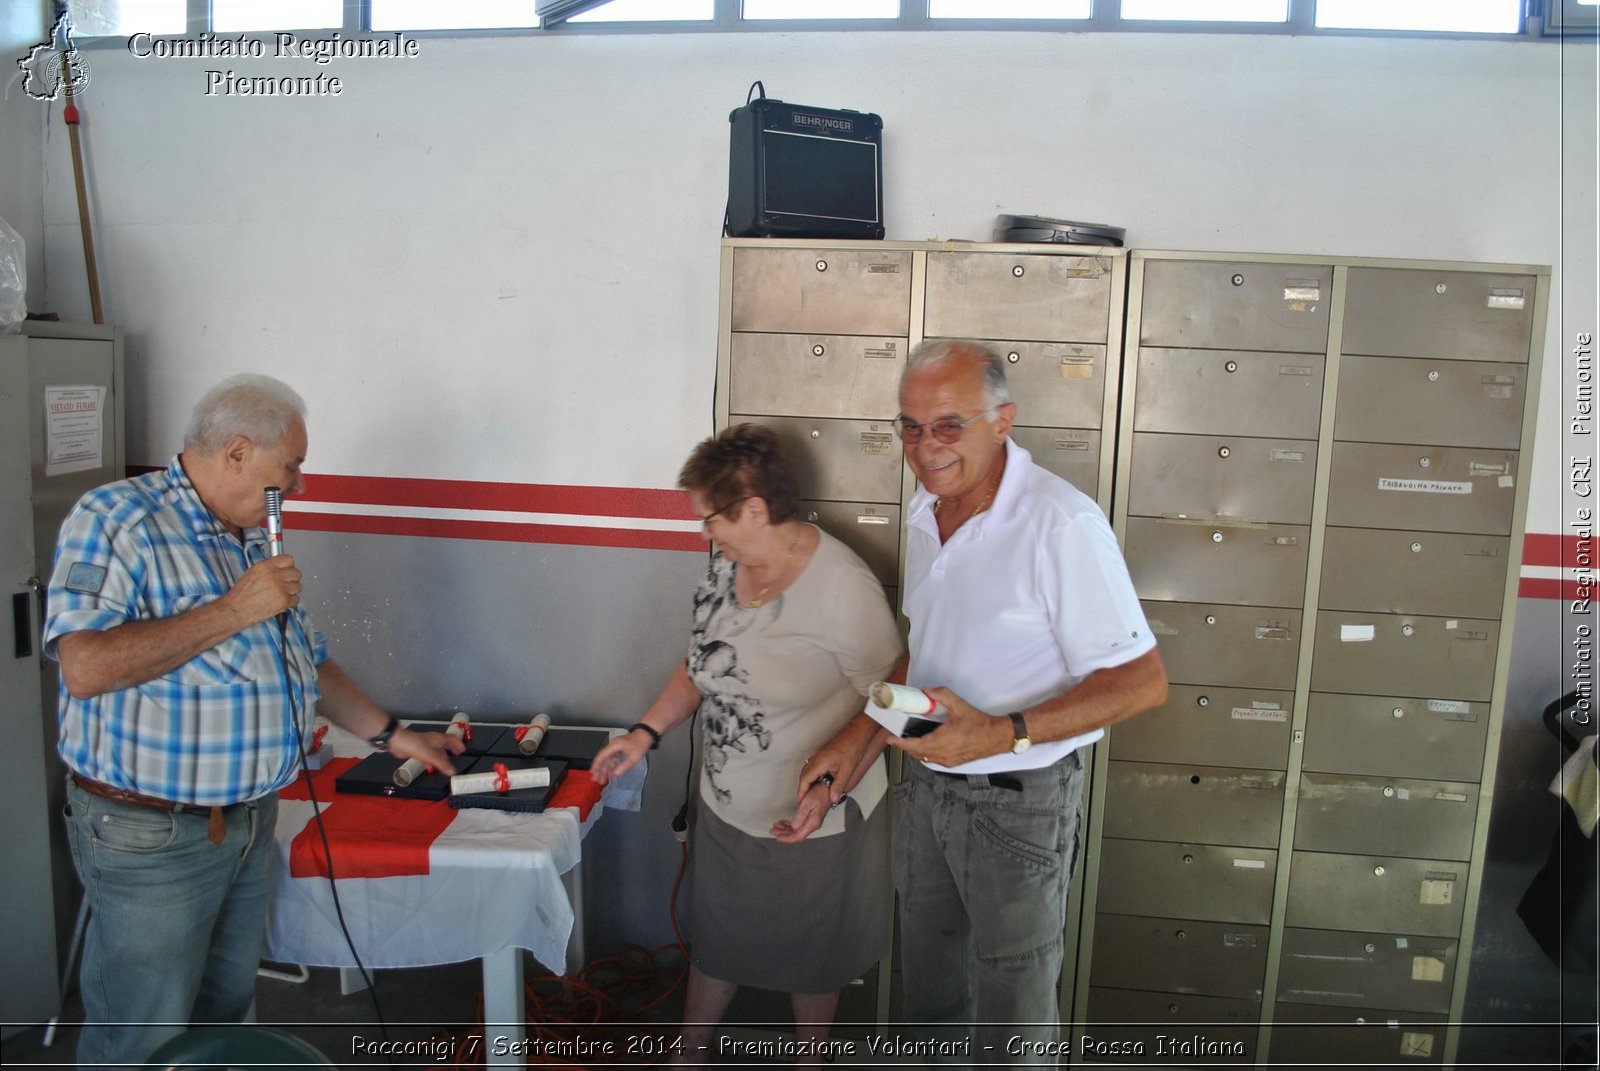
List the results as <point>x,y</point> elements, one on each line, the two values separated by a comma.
<point>537,777</point>
<point>409,771</point>
<point>460,725</point>
<point>533,734</point>
<point>902,698</point>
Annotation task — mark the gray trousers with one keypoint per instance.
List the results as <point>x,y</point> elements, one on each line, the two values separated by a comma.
<point>982,872</point>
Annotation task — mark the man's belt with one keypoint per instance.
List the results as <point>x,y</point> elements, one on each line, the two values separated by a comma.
<point>1008,781</point>
<point>216,828</point>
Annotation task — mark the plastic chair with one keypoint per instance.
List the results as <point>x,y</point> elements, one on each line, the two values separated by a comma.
<point>237,1048</point>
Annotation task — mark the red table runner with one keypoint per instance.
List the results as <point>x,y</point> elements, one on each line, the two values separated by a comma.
<point>382,836</point>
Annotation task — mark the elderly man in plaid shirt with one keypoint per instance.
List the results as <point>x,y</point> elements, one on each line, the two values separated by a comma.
<point>184,701</point>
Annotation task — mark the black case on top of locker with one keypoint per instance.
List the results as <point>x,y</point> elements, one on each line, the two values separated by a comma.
<point>802,172</point>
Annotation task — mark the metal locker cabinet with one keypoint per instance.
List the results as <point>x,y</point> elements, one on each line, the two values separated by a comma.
<point>1166,1022</point>
<point>1361,652</point>
<point>1364,815</point>
<point>1386,894</point>
<point>1246,564</point>
<point>1367,970</point>
<point>1015,295</point>
<point>1055,384</point>
<point>1396,736</point>
<point>1235,477</point>
<point>1433,488</point>
<point>1212,726</point>
<point>1402,572</point>
<point>816,375</point>
<point>1438,402</point>
<point>849,460</point>
<point>870,529</point>
<point>1219,883</point>
<point>1071,453</point>
<point>1228,646</point>
<point>1309,1033</point>
<point>38,896</point>
<point>1428,312</point>
<point>1229,392</point>
<point>848,290</point>
<point>1235,305</point>
<point>1181,956</point>
<point>1416,460</point>
<point>1200,804</point>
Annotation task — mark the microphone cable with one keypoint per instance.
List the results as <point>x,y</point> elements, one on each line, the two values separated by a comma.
<point>291,675</point>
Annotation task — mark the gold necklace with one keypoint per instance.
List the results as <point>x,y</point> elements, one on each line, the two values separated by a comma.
<point>981,505</point>
<point>755,603</point>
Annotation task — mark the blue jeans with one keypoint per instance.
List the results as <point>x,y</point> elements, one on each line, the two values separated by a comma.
<point>982,872</point>
<point>176,923</point>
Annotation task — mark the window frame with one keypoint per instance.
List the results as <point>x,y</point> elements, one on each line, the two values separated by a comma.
<point>1105,18</point>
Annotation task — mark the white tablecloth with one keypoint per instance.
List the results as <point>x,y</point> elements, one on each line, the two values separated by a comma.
<point>494,883</point>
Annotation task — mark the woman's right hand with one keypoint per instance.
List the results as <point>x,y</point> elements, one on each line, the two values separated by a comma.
<point>618,756</point>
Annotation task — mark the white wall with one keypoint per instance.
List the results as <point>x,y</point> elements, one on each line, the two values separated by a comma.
<point>23,25</point>
<point>498,260</point>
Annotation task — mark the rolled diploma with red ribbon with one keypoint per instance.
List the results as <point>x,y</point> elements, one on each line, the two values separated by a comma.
<point>502,780</point>
<point>460,726</point>
<point>531,735</point>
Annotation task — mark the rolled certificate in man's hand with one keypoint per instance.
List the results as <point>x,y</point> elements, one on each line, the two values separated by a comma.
<point>902,698</point>
<point>903,710</point>
<point>409,771</point>
<point>531,735</point>
<point>501,780</point>
<point>460,726</point>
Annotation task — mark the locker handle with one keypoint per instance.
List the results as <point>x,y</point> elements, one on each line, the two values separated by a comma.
<point>22,624</point>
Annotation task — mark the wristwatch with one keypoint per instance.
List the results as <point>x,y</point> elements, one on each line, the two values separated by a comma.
<point>381,741</point>
<point>1019,730</point>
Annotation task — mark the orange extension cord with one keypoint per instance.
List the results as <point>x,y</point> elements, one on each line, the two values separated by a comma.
<point>602,1002</point>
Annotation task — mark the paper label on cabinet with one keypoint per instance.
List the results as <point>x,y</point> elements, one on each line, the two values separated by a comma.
<point>1427,969</point>
<point>1260,714</point>
<point>1357,633</point>
<point>1427,487</point>
<point>1506,298</point>
<point>74,423</point>
<point>1437,892</point>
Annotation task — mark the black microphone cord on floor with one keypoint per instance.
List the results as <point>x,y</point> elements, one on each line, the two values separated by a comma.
<point>292,676</point>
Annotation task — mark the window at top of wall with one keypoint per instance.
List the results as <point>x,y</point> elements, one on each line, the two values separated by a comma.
<point>649,11</point>
<point>110,18</point>
<point>242,16</point>
<point>820,9</point>
<point>432,15</point>
<point>1010,9</point>
<point>1206,10</point>
<point>1460,16</point>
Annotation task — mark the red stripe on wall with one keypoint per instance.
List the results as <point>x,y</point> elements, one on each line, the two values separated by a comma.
<point>1557,551</point>
<point>1549,587</point>
<point>648,502</point>
<point>435,528</point>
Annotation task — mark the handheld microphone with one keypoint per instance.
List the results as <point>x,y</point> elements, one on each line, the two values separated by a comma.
<point>274,521</point>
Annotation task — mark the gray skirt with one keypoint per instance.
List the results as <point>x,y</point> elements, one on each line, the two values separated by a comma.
<point>799,918</point>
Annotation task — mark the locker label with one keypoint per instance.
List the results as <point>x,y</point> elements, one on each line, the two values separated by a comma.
<point>870,518</point>
<point>1239,940</point>
<point>1302,290</point>
<point>1505,298</point>
<point>1449,706</point>
<point>881,353</point>
<point>1077,367</point>
<point>1416,1043</point>
<point>1437,892</point>
<point>892,268</point>
<point>1357,633</point>
<point>1429,487</point>
<point>1288,455</point>
<point>1295,370</point>
<point>1250,864</point>
<point>876,442</point>
<point>1254,714</point>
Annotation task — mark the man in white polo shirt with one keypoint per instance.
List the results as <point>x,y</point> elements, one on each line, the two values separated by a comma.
<point>1026,628</point>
